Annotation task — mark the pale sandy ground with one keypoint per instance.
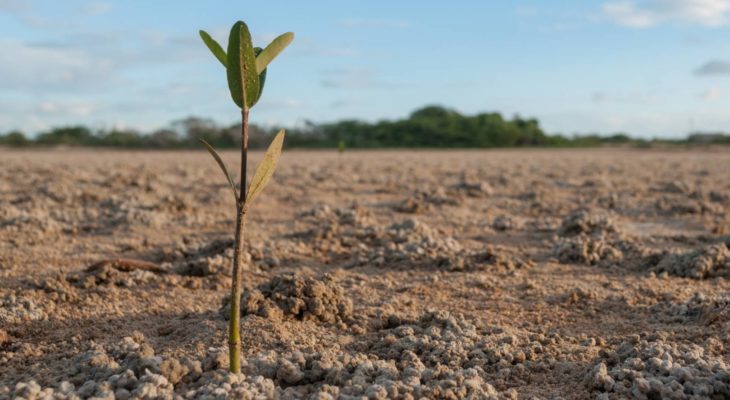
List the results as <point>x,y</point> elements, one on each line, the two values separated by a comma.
<point>457,274</point>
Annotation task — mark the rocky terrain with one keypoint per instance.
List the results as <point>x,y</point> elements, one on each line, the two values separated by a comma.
<point>516,274</point>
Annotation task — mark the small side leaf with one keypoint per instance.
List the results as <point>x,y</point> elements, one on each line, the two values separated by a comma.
<point>262,76</point>
<point>273,49</point>
<point>266,167</point>
<point>215,48</point>
<point>243,78</point>
<point>218,159</point>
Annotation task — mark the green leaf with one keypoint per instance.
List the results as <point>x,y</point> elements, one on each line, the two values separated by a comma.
<point>218,159</point>
<point>262,76</point>
<point>215,48</point>
<point>273,49</point>
<point>266,167</point>
<point>243,78</point>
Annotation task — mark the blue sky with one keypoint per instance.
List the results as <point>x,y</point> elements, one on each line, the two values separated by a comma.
<point>650,68</point>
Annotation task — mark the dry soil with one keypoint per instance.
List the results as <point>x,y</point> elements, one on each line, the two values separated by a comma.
<point>531,274</point>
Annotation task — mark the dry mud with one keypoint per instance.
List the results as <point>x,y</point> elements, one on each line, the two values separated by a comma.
<point>372,275</point>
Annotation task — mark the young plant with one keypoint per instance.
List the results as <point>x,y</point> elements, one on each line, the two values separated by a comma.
<point>341,147</point>
<point>246,72</point>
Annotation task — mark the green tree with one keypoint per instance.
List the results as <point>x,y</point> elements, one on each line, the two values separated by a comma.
<point>14,139</point>
<point>68,135</point>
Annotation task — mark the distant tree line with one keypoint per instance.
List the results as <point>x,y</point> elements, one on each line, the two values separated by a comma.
<point>428,127</point>
<point>183,133</point>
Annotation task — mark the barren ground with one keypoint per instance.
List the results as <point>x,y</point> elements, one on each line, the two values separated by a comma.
<point>394,274</point>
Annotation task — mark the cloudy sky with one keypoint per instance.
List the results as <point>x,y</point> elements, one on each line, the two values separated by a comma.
<point>651,68</point>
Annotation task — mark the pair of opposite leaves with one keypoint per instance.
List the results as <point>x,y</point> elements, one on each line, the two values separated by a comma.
<point>246,88</point>
<point>246,65</point>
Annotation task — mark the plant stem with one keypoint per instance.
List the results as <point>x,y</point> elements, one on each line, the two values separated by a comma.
<point>234,329</point>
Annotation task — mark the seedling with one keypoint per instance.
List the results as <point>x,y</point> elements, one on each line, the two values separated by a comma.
<point>246,72</point>
<point>341,147</point>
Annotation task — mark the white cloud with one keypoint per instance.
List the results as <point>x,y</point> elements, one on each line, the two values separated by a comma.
<point>645,14</point>
<point>711,94</point>
<point>84,61</point>
<point>625,13</point>
<point>600,97</point>
<point>35,116</point>
<point>76,109</point>
<point>47,67</point>
<point>282,103</point>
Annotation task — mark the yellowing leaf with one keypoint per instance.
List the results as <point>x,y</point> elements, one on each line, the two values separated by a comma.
<point>266,167</point>
<point>218,159</point>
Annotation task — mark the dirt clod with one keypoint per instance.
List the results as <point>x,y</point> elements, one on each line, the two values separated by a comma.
<point>706,262</point>
<point>583,221</point>
<point>303,298</point>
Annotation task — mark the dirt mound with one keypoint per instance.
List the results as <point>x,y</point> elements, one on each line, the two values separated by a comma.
<point>699,309</point>
<point>334,229</point>
<point>206,258</point>
<point>493,258</point>
<point>507,223</point>
<point>656,368</point>
<point>130,369</point>
<point>409,240</point>
<point>201,258</point>
<point>119,272</point>
<point>28,226</point>
<point>353,233</point>
<point>24,307</point>
<point>352,215</point>
<point>54,289</point>
<point>593,238</point>
<point>413,243</point>
<point>679,205</point>
<point>436,356</point>
<point>676,186</point>
<point>473,187</point>
<point>423,201</point>
<point>583,221</point>
<point>297,297</point>
<point>588,250</point>
<point>707,262</point>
